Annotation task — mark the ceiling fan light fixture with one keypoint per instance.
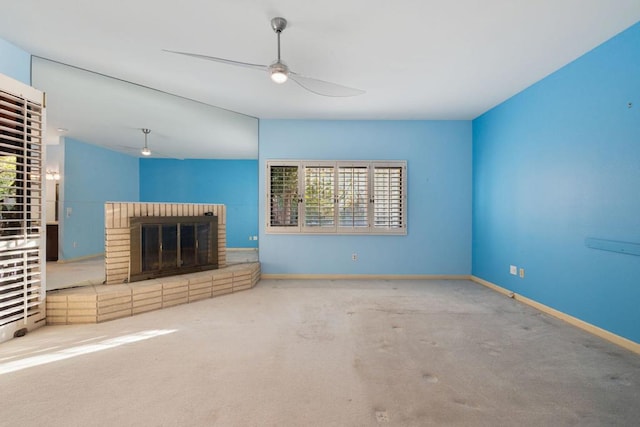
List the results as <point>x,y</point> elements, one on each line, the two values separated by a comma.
<point>145,151</point>
<point>279,72</point>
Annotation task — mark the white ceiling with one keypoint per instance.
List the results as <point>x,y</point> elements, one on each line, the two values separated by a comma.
<point>416,59</point>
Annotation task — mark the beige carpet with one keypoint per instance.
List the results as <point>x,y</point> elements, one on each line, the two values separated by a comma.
<point>323,353</point>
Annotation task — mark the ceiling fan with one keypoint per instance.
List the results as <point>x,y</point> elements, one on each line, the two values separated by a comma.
<point>280,72</point>
<point>145,150</point>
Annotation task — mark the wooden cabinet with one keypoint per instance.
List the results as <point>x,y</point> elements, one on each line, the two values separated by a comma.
<point>52,242</point>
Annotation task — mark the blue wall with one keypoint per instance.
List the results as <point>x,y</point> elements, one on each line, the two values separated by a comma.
<point>15,62</point>
<point>92,176</point>
<point>438,158</point>
<point>554,165</point>
<point>233,183</point>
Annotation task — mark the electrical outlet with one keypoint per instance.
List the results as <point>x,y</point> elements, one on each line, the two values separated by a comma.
<point>354,256</point>
<point>522,273</point>
<point>255,237</point>
<point>75,244</point>
<point>513,270</point>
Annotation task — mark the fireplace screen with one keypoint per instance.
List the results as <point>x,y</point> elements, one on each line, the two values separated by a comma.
<point>163,246</point>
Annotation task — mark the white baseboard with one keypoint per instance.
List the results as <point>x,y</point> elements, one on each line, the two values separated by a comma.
<point>595,330</point>
<point>365,276</point>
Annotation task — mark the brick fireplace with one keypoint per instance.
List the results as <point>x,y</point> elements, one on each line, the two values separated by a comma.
<point>118,222</point>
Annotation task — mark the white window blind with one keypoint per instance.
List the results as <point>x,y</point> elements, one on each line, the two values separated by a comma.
<point>283,196</point>
<point>353,199</point>
<point>21,197</point>
<point>388,197</point>
<point>345,197</point>
<point>319,202</point>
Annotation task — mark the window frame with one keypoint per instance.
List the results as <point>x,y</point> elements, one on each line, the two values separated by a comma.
<point>337,196</point>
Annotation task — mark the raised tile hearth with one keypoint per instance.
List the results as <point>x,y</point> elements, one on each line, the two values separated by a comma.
<point>99,303</point>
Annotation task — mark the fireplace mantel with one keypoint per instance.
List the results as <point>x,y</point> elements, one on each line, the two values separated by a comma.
<point>118,231</point>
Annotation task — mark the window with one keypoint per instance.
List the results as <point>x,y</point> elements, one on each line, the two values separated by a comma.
<point>283,196</point>
<point>21,290</point>
<point>336,197</point>
<point>353,197</point>
<point>388,197</point>
<point>319,200</point>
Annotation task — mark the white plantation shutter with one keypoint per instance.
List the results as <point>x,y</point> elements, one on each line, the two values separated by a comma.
<point>21,197</point>
<point>345,197</point>
<point>388,190</point>
<point>283,196</point>
<point>353,197</point>
<point>319,200</point>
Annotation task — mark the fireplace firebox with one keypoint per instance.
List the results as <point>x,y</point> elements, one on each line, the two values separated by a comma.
<point>165,246</point>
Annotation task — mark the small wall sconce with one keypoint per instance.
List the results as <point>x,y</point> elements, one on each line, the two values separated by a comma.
<point>52,175</point>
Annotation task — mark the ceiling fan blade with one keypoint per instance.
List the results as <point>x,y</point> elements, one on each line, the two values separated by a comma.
<point>320,87</point>
<point>222,60</point>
